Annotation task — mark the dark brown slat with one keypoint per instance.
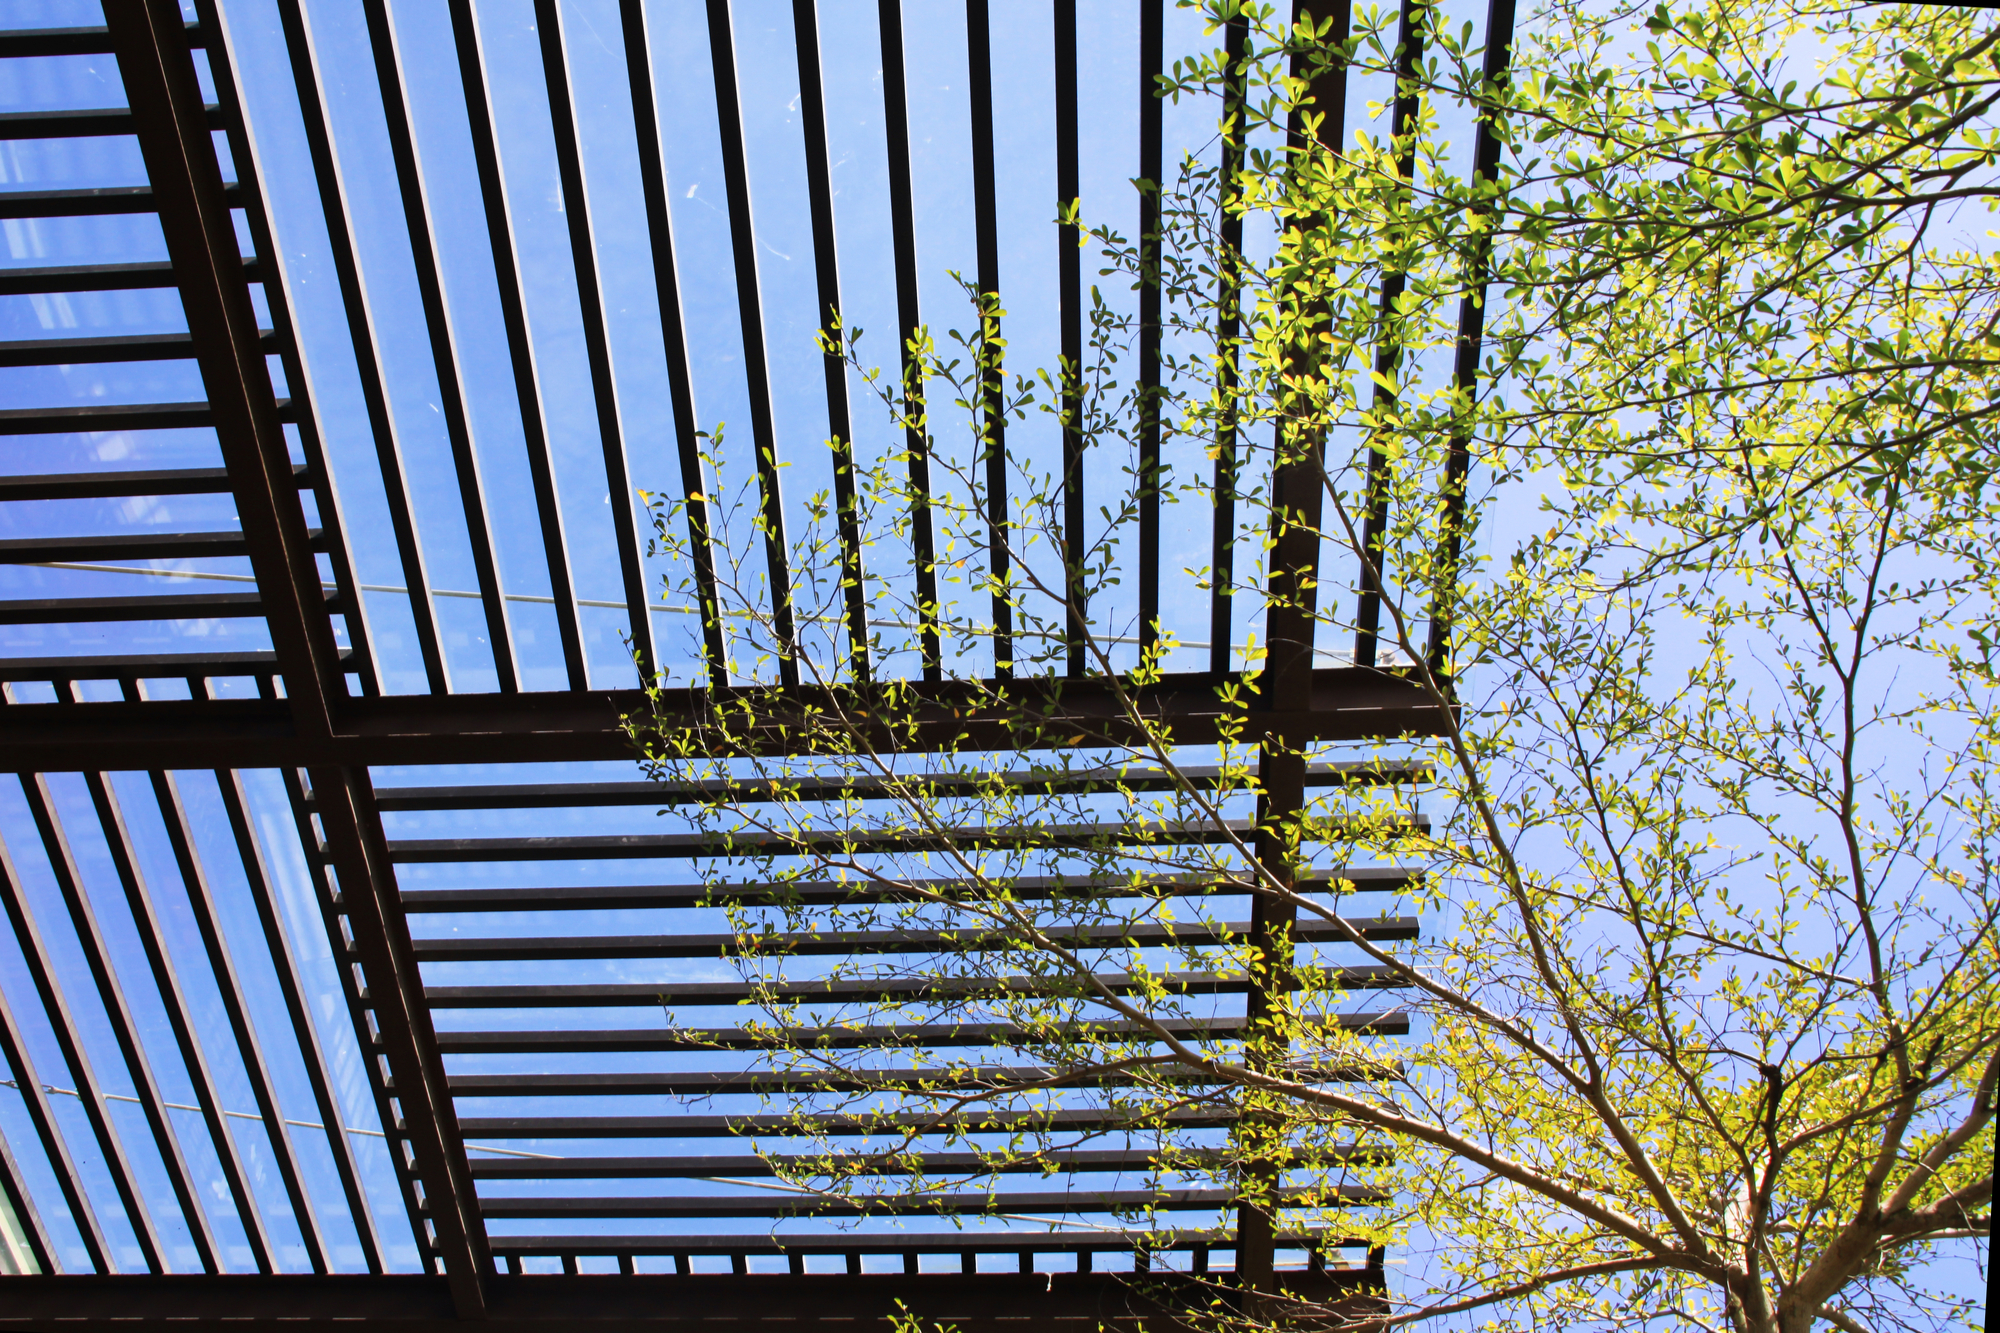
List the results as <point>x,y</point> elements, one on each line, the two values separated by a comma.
<point>711,1082</point>
<point>897,1164</point>
<point>80,123</point>
<point>129,546</point>
<point>98,277</point>
<point>599,1041</point>
<point>157,667</point>
<point>632,897</point>
<point>640,995</point>
<point>779,944</point>
<point>770,1204</point>
<point>785,1125</point>
<point>115,485</point>
<point>540,796</point>
<point>99,202</point>
<point>115,416</point>
<point>753,843</point>
<point>97,351</point>
<point>901,1242</point>
<point>94,610</point>
<point>27,42</point>
<point>849,841</point>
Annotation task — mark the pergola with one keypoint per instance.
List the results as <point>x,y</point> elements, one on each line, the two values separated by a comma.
<point>281,779</point>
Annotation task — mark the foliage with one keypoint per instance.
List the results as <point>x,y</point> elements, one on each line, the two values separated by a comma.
<point>1701,1025</point>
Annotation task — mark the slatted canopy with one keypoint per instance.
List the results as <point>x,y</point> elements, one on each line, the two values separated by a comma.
<point>345,344</point>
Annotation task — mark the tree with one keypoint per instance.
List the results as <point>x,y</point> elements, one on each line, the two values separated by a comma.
<point>1691,567</point>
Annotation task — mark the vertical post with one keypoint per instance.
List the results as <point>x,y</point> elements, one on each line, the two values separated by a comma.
<point>1297,490</point>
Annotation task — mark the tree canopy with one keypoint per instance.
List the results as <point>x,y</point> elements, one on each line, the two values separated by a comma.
<point>1641,373</point>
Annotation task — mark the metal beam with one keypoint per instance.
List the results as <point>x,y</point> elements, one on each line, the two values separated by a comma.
<point>972,1302</point>
<point>1297,492</point>
<point>296,374</point>
<point>362,1024</point>
<point>160,81</point>
<point>157,68</point>
<point>490,728</point>
<point>382,945</point>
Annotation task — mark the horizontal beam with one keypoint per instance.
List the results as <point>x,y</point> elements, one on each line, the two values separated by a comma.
<point>82,123</point>
<point>847,990</point>
<point>601,1041</point>
<point>98,201</point>
<point>634,897</point>
<point>115,485</point>
<point>1052,779</point>
<point>848,841</point>
<point>573,726</point>
<point>545,948</point>
<point>771,1204</point>
<point>21,42</point>
<point>886,1164</point>
<point>115,416</point>
<point>99,277</point>
<point>784,1125</point>
<point>95,351</point>
<point>1161,1240</point>
<point>126,546</point>
<point>167,606</point>
<point>972,1302</point>
<point>966,1077</point>
<point>159,666</point>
